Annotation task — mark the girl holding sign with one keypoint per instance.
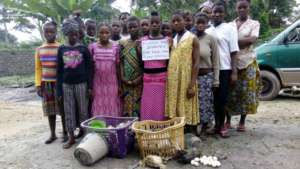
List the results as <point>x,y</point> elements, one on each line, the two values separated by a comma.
<point>181,95</point>
<point>155,72</point>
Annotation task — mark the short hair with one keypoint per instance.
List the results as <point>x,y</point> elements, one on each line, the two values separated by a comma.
<point>220,4</point>
<point>90,21</point>
<point>69,25</point>
<point>123,13</point>
<point>249,1</point>
<point>104,24</point>
<point>201,15</point>
<point>186,14</point>
<point>180,13</point>
<point>53,23</point>
<point>133,19</point>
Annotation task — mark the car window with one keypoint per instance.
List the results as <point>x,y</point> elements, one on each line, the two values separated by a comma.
<point>294,36</point>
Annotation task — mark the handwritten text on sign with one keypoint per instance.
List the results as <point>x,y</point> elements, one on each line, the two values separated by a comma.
<point>155,49</point>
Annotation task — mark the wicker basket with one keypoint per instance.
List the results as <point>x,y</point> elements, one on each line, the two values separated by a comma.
<point>160,138</point>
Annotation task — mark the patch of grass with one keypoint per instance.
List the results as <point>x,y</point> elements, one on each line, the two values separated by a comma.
<point>16,80</point>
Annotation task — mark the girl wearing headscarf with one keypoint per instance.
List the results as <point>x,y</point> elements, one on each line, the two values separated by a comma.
<point>73,79</point>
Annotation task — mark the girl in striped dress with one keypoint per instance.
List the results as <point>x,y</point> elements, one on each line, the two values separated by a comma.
<point>45,79</point>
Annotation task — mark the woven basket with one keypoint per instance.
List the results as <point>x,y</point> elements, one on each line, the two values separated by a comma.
<point>163,138</point>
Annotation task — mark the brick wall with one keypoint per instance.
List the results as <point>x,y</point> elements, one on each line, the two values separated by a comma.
<point>16,63</point>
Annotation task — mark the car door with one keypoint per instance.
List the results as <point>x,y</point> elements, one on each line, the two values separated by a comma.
<point>288,58</point>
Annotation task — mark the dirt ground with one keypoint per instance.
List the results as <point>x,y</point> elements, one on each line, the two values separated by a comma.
<point>272,140</point>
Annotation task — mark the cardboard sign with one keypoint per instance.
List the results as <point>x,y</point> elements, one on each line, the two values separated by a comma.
<point>155,50</point>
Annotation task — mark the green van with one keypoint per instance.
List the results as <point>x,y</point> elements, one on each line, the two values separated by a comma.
<point>279,62</point>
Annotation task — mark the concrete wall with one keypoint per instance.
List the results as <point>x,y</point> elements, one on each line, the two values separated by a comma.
<point>16,63</point>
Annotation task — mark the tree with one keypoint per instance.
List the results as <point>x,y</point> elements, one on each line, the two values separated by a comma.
<point>165,7</point>
<point>57,10</point>
<point>7,38</point>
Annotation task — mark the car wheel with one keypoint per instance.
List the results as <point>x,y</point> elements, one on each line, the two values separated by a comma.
<point>271,86</point>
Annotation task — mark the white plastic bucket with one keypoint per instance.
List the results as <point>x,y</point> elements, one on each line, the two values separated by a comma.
<point>92,148</point>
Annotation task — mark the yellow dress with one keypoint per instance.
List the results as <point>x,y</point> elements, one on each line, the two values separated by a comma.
<point>179,77</point>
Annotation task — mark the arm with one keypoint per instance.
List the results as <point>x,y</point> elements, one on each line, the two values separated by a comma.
<point>195,64</point>
<point>121,65</point>
<point>38,69</point>
<point>234,48</point>
<point>38,72</point>
<point>215,61</point>
<point>89,68</point>
<point>252,38</point>
<point>118,68</point>
<point>60,71</point>
<point>92,66</point>
<point>247,41</point>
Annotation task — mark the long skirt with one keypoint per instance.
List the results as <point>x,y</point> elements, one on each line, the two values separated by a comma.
<point>244,96</point>
<point>131,97</point>
<point>153,97</point>
<point>206,98</point>
<point>75,96</point>
<point>49,99</point>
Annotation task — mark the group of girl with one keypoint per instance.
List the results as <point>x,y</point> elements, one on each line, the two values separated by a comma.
<point>211,72</point>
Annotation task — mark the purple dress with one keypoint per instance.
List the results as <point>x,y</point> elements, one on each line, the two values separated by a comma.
<point>106,100</point>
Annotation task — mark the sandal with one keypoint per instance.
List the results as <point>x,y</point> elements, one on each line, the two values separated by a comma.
<point>50,140</point>
<point>68,144</point>
<point>241,128</point>
<point>224,132</point>
<point>229,126</point>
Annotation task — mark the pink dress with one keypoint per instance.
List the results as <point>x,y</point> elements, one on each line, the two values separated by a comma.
<point>106,101</point>
<point>154,89</point>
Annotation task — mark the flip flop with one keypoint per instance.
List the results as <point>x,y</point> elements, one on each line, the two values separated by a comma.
<point>241,128</point>
<point>50,140</point>
<point>68,145</point>
<point>224,132</point>
<point>229,126</point>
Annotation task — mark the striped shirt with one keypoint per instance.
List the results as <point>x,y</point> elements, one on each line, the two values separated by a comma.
<point>45,63</point>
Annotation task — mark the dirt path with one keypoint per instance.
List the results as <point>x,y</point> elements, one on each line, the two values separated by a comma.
<point>271,142</point>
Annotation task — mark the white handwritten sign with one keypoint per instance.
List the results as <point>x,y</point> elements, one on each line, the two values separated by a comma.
<point>155,50</point>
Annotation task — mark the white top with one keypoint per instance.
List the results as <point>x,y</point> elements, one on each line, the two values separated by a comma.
<point>227,38</point>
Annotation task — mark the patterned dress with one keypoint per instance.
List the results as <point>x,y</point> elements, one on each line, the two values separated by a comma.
<point>106,99</point>
<point>45,76</point>
<point>179,77</point>
<point>244,96</point>
<point>154,89</point>
<point>132,66</point>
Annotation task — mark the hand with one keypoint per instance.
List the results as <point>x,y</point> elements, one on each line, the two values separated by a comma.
<point>129,82</point>
<point>89,93</point>
<point>59,99</point>
<point>119,91</point>
<point>215,90</point>
<point>39,91</point>
<point>233,78</point>
<point>190,92</point>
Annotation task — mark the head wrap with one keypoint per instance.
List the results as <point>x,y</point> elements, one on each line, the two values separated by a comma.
<point>69,25</point>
